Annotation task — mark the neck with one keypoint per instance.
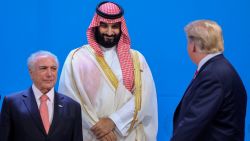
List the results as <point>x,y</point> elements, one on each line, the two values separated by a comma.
<point>199,57</point>
<point>107,48</point>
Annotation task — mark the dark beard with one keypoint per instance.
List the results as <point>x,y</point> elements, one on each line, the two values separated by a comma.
<point>109,43</point>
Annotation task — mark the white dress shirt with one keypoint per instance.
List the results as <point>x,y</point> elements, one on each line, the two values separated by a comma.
<point>123,116</point>
<point>50,101</point>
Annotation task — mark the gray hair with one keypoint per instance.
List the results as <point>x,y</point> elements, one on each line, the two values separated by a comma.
<point>207,35</point>
<point>32,58</point>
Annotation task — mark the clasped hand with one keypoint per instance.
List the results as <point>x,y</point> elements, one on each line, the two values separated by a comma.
<point>104,130</point>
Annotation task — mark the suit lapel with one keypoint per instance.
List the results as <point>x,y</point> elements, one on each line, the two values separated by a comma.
<point>58,112</point>
<point>31,105</point>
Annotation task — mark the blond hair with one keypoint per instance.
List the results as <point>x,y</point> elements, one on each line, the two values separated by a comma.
<point>207,35</point>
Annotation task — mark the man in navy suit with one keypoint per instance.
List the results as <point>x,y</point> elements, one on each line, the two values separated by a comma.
<point>39,113</point>
<point>213,107</point>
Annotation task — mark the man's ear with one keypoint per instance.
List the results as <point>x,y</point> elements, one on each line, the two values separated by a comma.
<point>30,72</point>
<point>193,47</point>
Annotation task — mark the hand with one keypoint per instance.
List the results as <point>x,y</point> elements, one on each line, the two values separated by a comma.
<point>103,127</point>
<point>111,136</point>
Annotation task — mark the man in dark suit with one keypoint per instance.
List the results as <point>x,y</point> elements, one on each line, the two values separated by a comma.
<point>0,110</point>
<point>213,107</point>
<point>39,113</point>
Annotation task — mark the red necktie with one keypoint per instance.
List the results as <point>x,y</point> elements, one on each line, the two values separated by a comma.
<point>44,112</point>
<point>196,72</point>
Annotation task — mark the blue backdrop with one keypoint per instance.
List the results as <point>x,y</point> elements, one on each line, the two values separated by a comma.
<point>156,30</point>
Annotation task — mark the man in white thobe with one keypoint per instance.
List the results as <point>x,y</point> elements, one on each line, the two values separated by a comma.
<point>112,82</point>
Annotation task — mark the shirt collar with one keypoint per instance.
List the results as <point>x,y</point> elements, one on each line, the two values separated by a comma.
<point>38,93</point>
<point>205,59</point>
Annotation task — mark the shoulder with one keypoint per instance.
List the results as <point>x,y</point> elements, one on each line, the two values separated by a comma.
<point>221,67</point>
<point>17,95</point>
<point>79,52</point>
<point>15,99</point>
<point>142,59</point>
<point>79,49</point>
<point>136,51</point>
<point>67,99</point>
<point>75,54</point>
<point>140,55</point>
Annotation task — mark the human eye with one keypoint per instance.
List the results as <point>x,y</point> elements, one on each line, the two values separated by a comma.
<point>116,26</point>
<point>42,68</point>
<point>103,25</point>
<point>54,68</point>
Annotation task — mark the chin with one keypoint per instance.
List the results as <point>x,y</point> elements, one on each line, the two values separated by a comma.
<point>49,86</point>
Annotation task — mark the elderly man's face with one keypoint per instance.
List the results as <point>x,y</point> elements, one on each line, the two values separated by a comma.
<point>44,73</point>
<point>108,34</point>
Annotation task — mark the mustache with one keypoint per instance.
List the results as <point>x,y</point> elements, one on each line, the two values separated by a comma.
<point>106,40</point>
<point>108,35</point>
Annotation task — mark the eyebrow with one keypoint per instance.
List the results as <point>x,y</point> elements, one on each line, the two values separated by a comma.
<point>112,24</point>
<point>42,66</point>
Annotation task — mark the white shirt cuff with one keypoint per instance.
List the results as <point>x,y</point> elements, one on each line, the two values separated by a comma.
<point>123,117</point>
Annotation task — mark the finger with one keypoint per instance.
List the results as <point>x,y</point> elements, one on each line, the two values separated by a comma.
<point>99,135</point>
<point>103,139</point>
<point>108,136</point>
<point>93,128</point>
<point>101,132</point>
<point>96,129</point>
<point>113,136</point>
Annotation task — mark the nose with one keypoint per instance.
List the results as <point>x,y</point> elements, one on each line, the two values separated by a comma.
<point>49,72</point>
<point>110,31</point>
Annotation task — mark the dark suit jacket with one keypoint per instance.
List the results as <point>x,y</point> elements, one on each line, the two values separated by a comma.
<point>213,107</point>
<point>21,120</point>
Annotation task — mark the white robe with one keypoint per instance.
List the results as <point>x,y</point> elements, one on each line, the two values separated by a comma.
<point>83,79</point>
